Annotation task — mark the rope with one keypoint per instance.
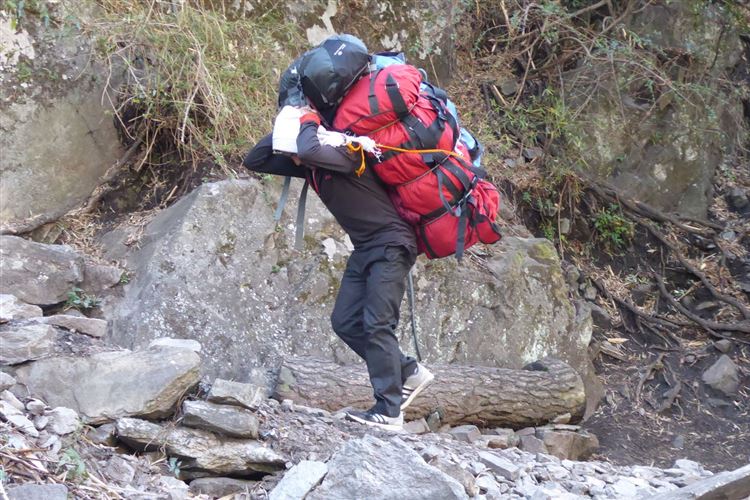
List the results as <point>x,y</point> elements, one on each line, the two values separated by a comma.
<point>355,147</point>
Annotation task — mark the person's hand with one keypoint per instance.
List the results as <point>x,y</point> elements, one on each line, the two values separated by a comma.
<point>310,116</point>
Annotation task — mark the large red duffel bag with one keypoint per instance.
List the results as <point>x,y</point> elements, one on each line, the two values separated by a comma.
<point>434,186</point>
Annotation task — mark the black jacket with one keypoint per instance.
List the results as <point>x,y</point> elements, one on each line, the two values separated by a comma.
<point>360,204</point>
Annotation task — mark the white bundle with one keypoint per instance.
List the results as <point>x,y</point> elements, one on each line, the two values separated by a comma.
<point>286,129</point>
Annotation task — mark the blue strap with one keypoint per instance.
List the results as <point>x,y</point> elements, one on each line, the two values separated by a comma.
<point>300,224</point>
<point>282,199</point>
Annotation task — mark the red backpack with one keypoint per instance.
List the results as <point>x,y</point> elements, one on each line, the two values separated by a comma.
<point>433,185</point>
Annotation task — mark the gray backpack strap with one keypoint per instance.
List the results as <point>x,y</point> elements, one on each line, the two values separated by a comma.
<point>300,224</point>
<point>282,199</point>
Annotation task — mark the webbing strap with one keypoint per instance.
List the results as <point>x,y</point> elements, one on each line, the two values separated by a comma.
<point>441,178</point>
<point>428,249</point>
<point>282,198</point>
<point>374,108</point>
<point>415,128</point>
<point>459,174</point>
<point>299,230</point>
<point>461,239</point>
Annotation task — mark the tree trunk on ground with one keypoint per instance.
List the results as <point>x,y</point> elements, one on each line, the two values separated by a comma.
<point>485,396</point>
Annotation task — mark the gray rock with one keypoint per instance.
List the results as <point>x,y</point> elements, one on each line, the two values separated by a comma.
<point>200,452</point>
<point>723,376</point>
<point>37,273</point>
<point>434,422</point>
<point>177,490</point>
<point>192,345</point>
<point>6,381</point>
<point>90,326</point>
<point>17,419</point>
<point>104,434</point>
<point>570,445</point>
<point>98,278</point>
<point>219,487</point>
<point>589,293</point>
<point>489,487</point>
<point>418,426</point>
<point>737,198</point>
<point>504,440</point>
<point>299,480</point>
<point>37,492</point>
<point>691,467</point>
<point>23,343</point>
<point>729,484</point>
<point>11,308</point>
<point>601,317</point>
<point>62,420</point>
<point>377,469</point>
<point>509,87</point>
<point>119,470</point>
<point>41,422</point>
<point>724,346</point>
<point>458,473</point>
<point>12,400</point>
<point>229,392</point>
<point>431,452</point>
<point>36,407</point>
<point>466,433</point>
<point>289,314</point>
<point>531,153</point>
<point>532,444</point>
<point>147,383</point>
<point>564,225</point>
<point>562,419</point>
<point>500,465</point>
<point>229,420</point>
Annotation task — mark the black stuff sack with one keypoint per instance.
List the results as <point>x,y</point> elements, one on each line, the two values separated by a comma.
<point>328,71</point>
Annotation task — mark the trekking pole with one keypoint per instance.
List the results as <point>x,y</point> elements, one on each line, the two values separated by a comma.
<point>410,281</point>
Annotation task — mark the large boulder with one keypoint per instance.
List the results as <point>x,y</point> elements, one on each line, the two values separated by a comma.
<point>212,268</point>
<point>37,273</point>
<point>511,311</point>
<point>111,385</point>
<point>425,31</point>
<point>377,469</point>
<point>661,142</point>
<point>57,134</point>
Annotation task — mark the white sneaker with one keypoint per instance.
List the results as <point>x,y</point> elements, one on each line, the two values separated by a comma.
<point>377,420</point>
<point>415,384</point>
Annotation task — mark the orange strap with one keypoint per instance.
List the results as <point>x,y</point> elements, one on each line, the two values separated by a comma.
<point>356,147</point>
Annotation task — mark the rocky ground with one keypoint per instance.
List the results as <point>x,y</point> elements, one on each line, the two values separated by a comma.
<point>230,439</point>
<point>80,418</point>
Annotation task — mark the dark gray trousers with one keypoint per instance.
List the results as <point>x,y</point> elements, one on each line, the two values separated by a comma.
<point>366,315</point>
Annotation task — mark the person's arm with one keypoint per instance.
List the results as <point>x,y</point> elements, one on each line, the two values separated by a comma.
<point>262,159</point>
<point>314,154</point>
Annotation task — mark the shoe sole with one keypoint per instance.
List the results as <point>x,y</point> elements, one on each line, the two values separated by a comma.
<point>416,391</point>
<point>387,427</point>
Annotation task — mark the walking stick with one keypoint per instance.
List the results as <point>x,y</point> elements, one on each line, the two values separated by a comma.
<point>410,281</point>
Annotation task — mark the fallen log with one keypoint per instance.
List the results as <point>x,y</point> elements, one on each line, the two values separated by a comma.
<point>484,396</point>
